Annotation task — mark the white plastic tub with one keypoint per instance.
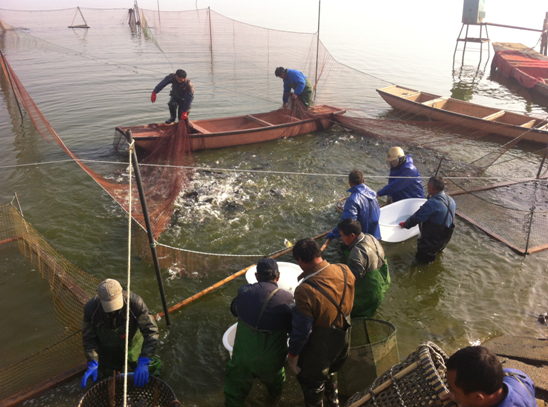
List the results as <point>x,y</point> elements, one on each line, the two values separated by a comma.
<point>393,214</point>
<point>228,339</point>
<point>288,276</point>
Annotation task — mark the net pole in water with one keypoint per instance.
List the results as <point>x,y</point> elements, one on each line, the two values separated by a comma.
<point>149,229</point>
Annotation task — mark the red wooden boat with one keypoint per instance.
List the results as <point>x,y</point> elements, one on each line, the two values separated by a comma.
<point>239,130</point>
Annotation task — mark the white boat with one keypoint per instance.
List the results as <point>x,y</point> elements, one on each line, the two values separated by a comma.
<point>391,217</point>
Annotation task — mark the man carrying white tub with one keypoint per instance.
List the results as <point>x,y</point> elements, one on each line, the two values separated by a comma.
<point>260,346</point>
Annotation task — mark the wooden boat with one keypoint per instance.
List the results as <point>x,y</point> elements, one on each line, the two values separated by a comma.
<point>240,130</point>
<point>465,114</point>
<point>522,63</point>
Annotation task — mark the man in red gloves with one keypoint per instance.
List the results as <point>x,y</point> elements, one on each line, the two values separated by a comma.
<point>182,94</point>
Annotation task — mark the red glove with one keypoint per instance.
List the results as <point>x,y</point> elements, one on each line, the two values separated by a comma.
<point>293,96</point>
<point>401,225</point>
<point>153,97</point>
<point>184,115</point>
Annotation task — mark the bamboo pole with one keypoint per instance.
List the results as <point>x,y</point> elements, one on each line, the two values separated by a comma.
<point>224,281</point>
<point>385,385</point>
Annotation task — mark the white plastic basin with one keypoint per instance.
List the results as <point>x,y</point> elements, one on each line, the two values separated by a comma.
<point>393,214</point>
<point>228,338</point>
<point>288,276</point>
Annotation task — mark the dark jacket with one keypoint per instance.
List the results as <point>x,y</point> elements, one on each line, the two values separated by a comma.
<point>179,91</point>
<point>362,206</point>
<point>403,188</point>
<point>140,318</point>
<point>433,210</point>
<point>250,299</point>
<point>312,309</point>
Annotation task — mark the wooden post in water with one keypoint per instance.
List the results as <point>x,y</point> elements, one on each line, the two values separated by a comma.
<point>317,49</point>
<point>544,36</point>
<point>149,228</point>
<point>210,36</point>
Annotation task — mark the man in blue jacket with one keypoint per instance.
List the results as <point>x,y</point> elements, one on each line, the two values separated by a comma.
<point>361,205</point>
<point>293,79</point>
<point>475,378</point>
<point>435,219</point>
<point>181,95</point>
<point>404,181</point>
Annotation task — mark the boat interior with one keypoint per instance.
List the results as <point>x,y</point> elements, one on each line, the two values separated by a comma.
<point>466,108</point>
<point>242,122</point>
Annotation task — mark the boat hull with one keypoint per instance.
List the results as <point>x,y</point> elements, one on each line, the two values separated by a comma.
<point>239,130</point>
<point>465,114</point>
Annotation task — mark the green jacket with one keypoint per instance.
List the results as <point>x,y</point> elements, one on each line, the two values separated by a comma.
<point>368,263</point>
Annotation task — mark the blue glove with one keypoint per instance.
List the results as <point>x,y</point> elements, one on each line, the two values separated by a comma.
<point>330,235</point>
<point>92,371</point>
<point>141,373</point>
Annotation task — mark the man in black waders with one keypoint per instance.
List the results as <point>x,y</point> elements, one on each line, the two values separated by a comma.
<point>320,339</point>
<point>260,346</point>
<point>435,219</point>
<point>182,94</point>
<point>366,259</point>
<point>104,335</point>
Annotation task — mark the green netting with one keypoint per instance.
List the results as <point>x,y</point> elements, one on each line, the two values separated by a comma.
<point>53,345</point>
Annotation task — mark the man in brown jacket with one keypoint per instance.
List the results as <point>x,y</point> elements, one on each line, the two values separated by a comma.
<point>320,338</point>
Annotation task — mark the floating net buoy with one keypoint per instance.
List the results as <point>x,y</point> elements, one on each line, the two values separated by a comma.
<point>110,393</point>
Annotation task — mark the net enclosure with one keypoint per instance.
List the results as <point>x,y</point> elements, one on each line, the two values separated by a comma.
<point>53,282</point>
<point>373,350</point>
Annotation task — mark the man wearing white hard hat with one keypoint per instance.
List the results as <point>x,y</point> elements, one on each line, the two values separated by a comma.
<point>104,334</point>
<point>404,181</point>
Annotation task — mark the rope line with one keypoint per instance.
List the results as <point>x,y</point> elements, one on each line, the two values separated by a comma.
<point>210,169</point>
<point>131,147</point>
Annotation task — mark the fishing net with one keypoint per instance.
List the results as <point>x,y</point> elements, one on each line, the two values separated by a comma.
<point>417,381</point>
<point>54,349</point>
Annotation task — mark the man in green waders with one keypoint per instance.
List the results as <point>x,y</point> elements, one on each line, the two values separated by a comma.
<point>365,258</point>
<point>260,346</point>
<point>104,335</point>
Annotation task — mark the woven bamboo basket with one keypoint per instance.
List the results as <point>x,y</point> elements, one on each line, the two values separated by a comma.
<point>110,393</point>
<point>417,381</point>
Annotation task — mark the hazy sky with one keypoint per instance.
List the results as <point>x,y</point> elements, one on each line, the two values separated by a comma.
<point>301,15</point>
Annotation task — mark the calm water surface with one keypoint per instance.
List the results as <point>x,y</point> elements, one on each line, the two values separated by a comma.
<point>88,82</point>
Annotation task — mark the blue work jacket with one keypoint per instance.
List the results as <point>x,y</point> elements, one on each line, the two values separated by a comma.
<point>403,188</point>
<point>521,390</point>
<point>433,210</point>
<point>362,206</point>
<point>293,80</point>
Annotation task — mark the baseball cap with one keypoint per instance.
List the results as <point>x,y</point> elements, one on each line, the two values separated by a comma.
<point>110,294</point>
<point>267,267</point>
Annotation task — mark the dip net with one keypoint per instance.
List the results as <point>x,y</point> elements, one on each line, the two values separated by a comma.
<point>53,351</point>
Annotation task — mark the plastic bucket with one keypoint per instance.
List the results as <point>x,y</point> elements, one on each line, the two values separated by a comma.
<point>373,350</point>
<point>288,276</point>
<point>228,338</point>
<point>393,214</point>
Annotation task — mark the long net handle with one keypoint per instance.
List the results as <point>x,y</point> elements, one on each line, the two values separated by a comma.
<point>224,281</point>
